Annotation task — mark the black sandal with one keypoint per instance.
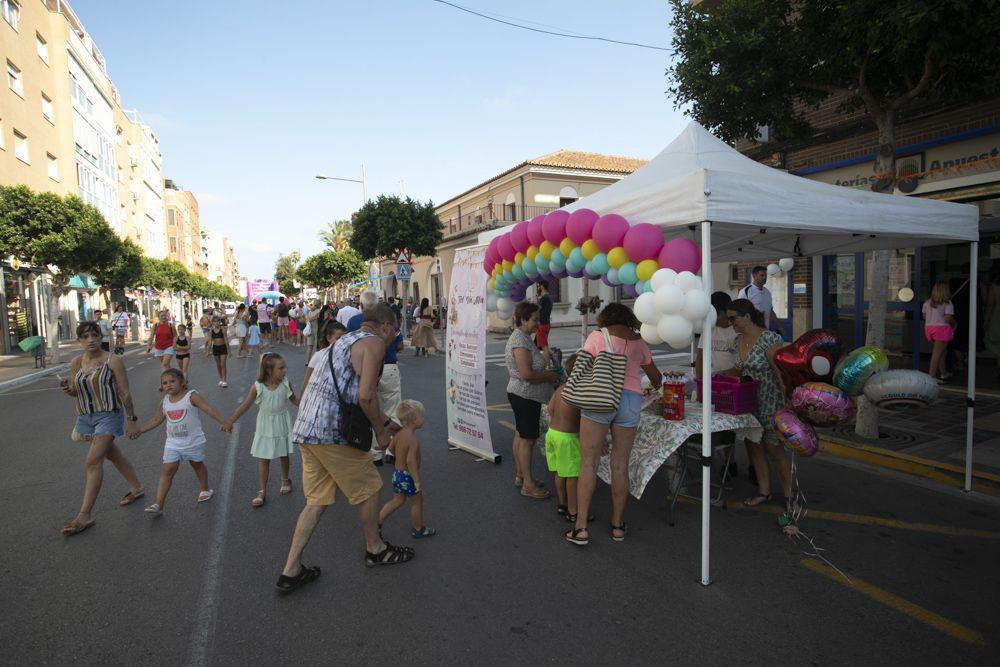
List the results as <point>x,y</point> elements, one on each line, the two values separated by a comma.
<point>389,556</point>
<point>288,584</point>
<point>562,510</point>
<point>623,529</point>
<point>573,537</point>
<point>571,518</point>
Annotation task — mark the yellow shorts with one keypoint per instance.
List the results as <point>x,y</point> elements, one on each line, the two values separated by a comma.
<point>327,467</point>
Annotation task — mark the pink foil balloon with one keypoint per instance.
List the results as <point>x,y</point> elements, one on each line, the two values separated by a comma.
<point>506,248</point>
<point>609,231</point>
<point>681,255</point>
<point>580,224</point>
<point>519,237</point>
<point>793,432</point>
<point>554,226</point>
<point>535,234</point>
<point>644,241</point>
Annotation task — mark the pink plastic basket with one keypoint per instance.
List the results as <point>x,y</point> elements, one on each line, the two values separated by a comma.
<point>731,396</point>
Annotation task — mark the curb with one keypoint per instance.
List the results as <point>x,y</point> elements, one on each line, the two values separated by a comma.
<point>946,473</point>
<point>38,374</point>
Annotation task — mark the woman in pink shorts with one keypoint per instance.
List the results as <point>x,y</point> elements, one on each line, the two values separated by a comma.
<point>939,327</point>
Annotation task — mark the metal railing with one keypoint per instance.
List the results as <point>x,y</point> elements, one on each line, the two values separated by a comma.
<point>489,217</point>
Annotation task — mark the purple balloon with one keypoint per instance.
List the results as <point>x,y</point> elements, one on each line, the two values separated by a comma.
<point>535,235</point>
<point>643,241</point>
<point>604,279</point>
<point>576,274</point>
<point>629,291</point>
<point>590,275</point>
<point>579,225</point>
<point>519,237</point>
<point>554,226</point>
<point>609,231</point>
<point>506,248</point>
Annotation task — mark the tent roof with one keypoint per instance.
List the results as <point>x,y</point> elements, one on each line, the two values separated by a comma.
<point>760,212</point>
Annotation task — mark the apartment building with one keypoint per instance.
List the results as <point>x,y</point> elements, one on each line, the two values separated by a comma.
<point>183,231</point>
<point>533,187</point>
<point>221,259</point>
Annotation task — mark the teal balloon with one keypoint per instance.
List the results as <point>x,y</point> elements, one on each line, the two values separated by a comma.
<point>544,270</point>
<point>578,259</point>
<point>540,261</point>
<point>517,272</point>
<point>600,264</point>
<point>530,269</point>
<point>612,275</point>
<point>557,258</point>
<point>626,273</point>
<point>589,268</point>
<point>572,266</point>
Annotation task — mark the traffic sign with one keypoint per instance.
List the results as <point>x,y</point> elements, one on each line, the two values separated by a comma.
<point>403,272</point>
<point>403,257</point>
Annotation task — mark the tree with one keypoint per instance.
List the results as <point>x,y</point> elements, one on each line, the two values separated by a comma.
<point>748,63</point>
<point>389,223</point>
<point>125,272</point>
<point>329,269</point>
<point>284,272</point>
<point>337,235</point>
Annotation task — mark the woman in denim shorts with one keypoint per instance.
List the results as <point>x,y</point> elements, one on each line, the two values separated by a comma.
<point>103,403</point>
<point>622,327</point>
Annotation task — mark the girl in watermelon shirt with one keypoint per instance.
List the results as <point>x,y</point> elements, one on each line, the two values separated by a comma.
<point>185,439</point>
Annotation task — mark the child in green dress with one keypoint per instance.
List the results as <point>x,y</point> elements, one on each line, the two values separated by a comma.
<point>273,438</point>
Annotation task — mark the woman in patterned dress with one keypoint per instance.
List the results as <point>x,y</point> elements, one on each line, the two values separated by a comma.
<point>755,348</point>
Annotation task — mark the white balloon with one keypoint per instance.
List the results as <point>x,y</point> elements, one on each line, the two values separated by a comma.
<point>675,330</point>
<point>662,277</point>
<point>786,264</point>
<point>696,305</point>
<point>698,326</point>
<point>645,308</point>
<point>505,314</point>
<point>505,305</point>
<point>669,299</point>
<point>650,334</point>
<point>712,317</point>
<point>491,302</point>
<point>773,269</point>
<point>687,281</point>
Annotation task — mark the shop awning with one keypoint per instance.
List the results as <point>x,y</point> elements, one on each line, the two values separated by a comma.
<point>80,281</point>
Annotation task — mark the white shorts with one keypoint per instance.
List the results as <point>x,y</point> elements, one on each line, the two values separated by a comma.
<point>171,455</point>
<point>167,352</point>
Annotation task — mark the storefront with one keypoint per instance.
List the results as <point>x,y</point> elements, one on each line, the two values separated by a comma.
<point>21,308</point>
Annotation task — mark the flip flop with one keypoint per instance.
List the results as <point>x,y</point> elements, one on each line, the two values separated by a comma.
<point>205,496</point>
<point>423,532</point>
<point>288,584</point>
<point>759,499</point>
<point>537,494</point>
<point>75,528</point>
<point>131,497</point>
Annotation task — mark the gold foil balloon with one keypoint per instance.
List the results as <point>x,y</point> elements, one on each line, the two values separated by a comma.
<point>857,366</point>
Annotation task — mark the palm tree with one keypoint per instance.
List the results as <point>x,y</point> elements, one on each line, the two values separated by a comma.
<point>337,235</point>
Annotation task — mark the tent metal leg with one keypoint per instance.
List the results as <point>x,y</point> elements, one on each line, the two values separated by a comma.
<point>706,406</point>
<point>971,360</point>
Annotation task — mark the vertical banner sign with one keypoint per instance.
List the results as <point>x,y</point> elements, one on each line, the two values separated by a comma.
<point>258,285</point>
<point>465,370</point>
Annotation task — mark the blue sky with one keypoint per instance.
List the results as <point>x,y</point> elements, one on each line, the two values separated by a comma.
<point>252,99</point>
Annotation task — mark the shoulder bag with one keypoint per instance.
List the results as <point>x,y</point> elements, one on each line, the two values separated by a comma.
<point>355,429</point>
<point>596,383</point>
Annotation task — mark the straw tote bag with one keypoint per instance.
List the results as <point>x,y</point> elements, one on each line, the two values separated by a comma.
<point>596,382</point>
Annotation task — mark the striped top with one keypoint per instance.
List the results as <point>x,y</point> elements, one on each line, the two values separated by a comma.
<point>97,390</point>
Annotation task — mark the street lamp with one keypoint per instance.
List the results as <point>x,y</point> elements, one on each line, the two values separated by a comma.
<point>364,186</point>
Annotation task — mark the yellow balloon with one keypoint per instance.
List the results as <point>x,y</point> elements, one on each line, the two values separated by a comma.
<point>646,268</point>
<point>546,249</point>
<point>617,257</point>
<point>566,247</point>
<point>493,281</point>
<point>589,249</point>
<point>507,266</point>
<point>519,258</point>
<point>532,253</point>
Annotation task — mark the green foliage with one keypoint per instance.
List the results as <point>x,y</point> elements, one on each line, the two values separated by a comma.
<point>284,273</point>
<point>125,272</point>
<point>748,63</point>
<point>330,268</point>
<point>389,223</point>
<point>337,235</point>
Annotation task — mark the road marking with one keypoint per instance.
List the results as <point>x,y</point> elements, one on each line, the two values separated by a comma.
<point>200,651</point>
<point>500,406</point>
<point>866,520</point>
<point>128,368</point>
<point>916,612</point>
<point>508,425</point>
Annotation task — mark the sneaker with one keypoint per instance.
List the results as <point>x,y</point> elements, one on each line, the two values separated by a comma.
<point>220,383</point>
<point>154,509</point>
<point>223,384</point>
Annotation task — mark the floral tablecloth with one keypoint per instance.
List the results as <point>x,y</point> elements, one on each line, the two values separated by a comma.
<point>657,438</point>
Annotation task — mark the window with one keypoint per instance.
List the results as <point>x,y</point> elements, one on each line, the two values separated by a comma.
<point>14,78</point>
<point>53,166</point>
<point>47,107</point>
<point>11,12</point>
<point>20,147</point>
<point>42,47</point>
<point>170,218</point>
<point>511,212</point>
<point>173,246</point>
<point>3,146</point>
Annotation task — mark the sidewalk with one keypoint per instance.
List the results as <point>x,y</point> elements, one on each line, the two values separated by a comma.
<point>19,369</point>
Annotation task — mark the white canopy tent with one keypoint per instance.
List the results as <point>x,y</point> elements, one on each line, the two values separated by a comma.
<point>746,211</point>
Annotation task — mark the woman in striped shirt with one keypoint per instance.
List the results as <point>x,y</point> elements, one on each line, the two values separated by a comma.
<point>103,403</point>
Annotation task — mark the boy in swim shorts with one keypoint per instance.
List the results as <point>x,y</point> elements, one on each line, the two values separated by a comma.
<point>406,476</point>
<point>562,447</point>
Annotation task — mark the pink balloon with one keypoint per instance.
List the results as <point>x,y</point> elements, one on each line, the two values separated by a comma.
<point>644,241</point>
<point>609,231</point>
<point>519,237</point>
<point>554,227</point>
<point>506,248</point>
<point>681,255</point>
<point>535,230</point>
<point>580,224</point>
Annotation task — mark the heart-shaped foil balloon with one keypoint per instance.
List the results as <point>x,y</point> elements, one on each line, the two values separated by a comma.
<point>811,358</point>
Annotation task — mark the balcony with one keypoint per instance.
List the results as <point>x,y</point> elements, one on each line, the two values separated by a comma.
<point>490,217</point>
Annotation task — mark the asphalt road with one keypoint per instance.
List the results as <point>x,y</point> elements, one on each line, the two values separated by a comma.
<point>498,585</point>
